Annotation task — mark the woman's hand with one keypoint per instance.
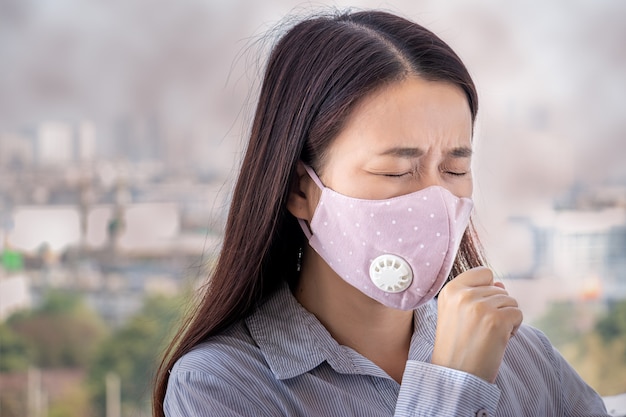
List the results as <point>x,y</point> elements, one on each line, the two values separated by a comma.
<point>476,319</point>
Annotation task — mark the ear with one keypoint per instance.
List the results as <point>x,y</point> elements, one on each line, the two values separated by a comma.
<point>303,194</point>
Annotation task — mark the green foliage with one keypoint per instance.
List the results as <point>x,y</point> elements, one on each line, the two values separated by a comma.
<point>62,302</point>
<point>133,352</point>
<point>613,324</point>
<point>15,353</point>
<point>561,322</point>
<point>602,365</point>
<point>63,332</point>
<point>593,342</point>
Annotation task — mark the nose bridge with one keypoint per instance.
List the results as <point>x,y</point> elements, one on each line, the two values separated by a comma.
<point>428,176</point>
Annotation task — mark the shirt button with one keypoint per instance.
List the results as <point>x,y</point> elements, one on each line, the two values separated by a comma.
<point>482,413</point>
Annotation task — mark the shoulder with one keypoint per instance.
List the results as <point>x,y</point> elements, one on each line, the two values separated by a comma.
<point>215,377</point>
<point>227,354</point>
<point>534,375</point>
<point>530,362</point>
<point>529,337</point>
<point>531,348</point>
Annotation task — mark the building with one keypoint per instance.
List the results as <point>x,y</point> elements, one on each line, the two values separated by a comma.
<point>583,242</point>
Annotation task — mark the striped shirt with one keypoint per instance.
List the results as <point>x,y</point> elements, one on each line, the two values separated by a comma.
<point>281,361</point>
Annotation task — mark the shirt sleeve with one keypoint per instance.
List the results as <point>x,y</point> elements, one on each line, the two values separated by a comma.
<point>201,395</point>
<point>432,390</point>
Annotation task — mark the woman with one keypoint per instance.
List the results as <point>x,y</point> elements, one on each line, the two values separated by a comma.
<point>350,213</point>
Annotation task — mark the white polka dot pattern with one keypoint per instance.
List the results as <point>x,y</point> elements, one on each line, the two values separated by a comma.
<point>422,228</point>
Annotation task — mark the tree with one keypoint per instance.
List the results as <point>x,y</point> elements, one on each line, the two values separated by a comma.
<point>15,353</point>
<point>133,352</point>
<point>62,332</point>
<point>613,324</point>
<point>561,323</point>
<point>593,341</point>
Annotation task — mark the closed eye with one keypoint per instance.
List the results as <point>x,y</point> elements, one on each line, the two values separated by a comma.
<point>395,175</point>
<point>456,174</point>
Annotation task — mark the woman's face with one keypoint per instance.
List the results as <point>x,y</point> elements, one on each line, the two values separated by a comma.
<point>403,138</point>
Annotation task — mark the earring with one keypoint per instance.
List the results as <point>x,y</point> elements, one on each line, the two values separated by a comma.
<point>299,263</point>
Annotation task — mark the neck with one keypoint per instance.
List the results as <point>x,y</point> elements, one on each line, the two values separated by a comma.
<point>379,333</point>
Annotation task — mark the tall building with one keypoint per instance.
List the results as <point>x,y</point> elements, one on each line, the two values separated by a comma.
<point>583,242</point>
<point>86,149</point>
<point>55,143</point>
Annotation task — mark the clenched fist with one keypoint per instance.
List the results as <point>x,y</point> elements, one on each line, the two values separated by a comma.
<point>476,319</point>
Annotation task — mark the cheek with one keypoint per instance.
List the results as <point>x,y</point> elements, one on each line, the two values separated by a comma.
<point>463,188</point>
<point>469,188</point>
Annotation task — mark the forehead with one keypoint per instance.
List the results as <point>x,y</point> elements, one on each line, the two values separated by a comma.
<point>411,113</point>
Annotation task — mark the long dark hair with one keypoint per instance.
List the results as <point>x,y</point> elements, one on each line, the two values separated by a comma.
<point>316,74</point>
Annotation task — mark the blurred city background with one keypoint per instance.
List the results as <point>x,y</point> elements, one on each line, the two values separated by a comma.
<point>122,124</point>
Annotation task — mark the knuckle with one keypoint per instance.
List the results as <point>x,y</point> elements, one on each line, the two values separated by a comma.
<point>492,321</point>
<point>482,310</point>
<point>465,296</point>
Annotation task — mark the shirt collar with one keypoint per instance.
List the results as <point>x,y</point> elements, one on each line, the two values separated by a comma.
<point>424,326</point>
<point>294,342</point>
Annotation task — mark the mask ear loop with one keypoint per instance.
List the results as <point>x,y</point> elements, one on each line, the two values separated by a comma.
<point>313,176</point>
<point>303,225</point>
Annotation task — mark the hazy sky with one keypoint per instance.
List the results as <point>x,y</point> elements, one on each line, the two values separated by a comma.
<point>556,68</point>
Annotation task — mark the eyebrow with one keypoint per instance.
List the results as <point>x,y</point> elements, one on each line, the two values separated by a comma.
<point>404,152</point>
<point>460,152</point>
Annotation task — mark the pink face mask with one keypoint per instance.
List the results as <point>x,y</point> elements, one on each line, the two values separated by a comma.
<point>398,251</point>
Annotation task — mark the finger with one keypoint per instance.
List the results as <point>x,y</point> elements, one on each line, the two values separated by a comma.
<point>476,277</point>
<point>501,301</point>
<point>485,291</point>
<point>514,316</point>
<point>494,309</point>
<point>499,284</point>
<point>491,289</point>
